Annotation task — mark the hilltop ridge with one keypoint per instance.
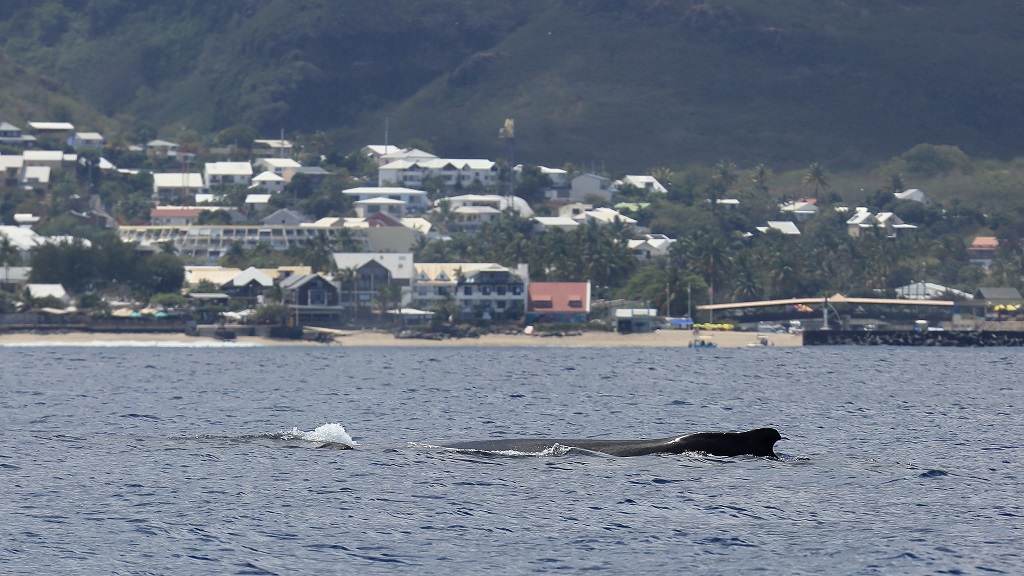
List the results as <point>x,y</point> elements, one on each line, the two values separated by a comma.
<point>635,83</point>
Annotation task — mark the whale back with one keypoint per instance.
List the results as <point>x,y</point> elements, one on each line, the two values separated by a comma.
<point>757,442</point>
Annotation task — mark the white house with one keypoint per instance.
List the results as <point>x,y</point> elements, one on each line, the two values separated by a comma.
<point>36,178</point>
<point>11,134</point>
<point>371,270</point>
<point>784,226</point>
<point>648,183</point>
<point>49,291</point>
<point>380,204</point>
<point>481,290</point>
<point>276,165</point>
<point>651,246</point>
<point>451,172</point>
<point>86,141</point>
<point>55,159</point>
<point>11,167</point>
<point>162,148</point>
<point>173,187</point>
<point>573,209</point>
<point>552,222</point>
<point>800,209</point>
<point>604,216</point>
<point>590,185</point>
<point>227,174</point>
<point>914,195</point>
<point>268,182</point>
<point>415,200</point>
<point>890,224</point>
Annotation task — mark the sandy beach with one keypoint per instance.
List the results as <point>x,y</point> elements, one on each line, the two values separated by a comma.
<point>661,338</point>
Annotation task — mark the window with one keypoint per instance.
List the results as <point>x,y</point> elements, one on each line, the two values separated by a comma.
<point>541,304</point>
<point>485,290</point>
<point>467,290</point>
<point>502,289</point>
<point>517,289</point>
<point>575,304</point>
<point>317,298</point>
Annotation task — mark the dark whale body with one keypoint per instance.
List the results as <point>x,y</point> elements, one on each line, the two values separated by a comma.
<point>758,442</point>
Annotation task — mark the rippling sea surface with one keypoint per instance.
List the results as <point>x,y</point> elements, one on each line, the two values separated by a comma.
<point>157,460</point>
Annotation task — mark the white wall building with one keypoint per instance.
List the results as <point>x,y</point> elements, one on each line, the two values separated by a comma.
<point>452,172</point>
<point>228,174</point>
<point>415,200</point>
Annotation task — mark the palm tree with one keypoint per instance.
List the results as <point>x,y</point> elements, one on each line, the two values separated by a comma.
<point>816,178</point>
<point>316,252</point>
<point>725,172</point>
<point>760,177</point>
<point>444,216</point>
<point>896,183</point>
<point>8,252</point>
<point>388,296</point>
<point>348,275</point>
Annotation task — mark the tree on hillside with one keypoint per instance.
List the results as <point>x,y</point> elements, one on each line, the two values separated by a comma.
<point>162,272</point>
<point>759,177</point>
<point>816,179</point>
<point>896,183</point>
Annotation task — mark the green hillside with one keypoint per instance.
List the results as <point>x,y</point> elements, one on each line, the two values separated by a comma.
<point>627,84</point>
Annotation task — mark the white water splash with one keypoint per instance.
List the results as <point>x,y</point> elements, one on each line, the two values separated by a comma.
<point>333,432</point>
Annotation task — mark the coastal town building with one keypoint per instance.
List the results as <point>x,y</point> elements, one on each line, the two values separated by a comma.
<point>161,148</point>
<point>782,226</point>
<point>275,165</point>
<point>208,243</point>
<point>268,182</point>
<point>227,174</point>
<point>586,185</point>
<point>887,223</point>
<point>479,290</point>
<point>914,195</point>
<point>982,250</point>
<point>177,188</point>
<point>11,135</point>
<point>558,302</point>
<point>314,174</point>
<point>54,159</point>
<point>414,200</point>
<point>651,246</point>
<point>312,297</point>
<point>87,141</point>
<point>360,275</point>
<point>449,172</point>
<point>646,183</point>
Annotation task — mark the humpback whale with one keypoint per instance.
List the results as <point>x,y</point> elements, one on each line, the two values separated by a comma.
<point>758,442</point>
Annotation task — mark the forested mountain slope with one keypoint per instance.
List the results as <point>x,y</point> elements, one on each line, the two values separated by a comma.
<point>629,83</point>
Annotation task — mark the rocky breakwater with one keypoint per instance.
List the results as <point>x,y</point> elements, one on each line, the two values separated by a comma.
<point>913,338</point>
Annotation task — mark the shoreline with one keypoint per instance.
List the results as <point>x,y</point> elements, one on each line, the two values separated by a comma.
<point>370,338</point>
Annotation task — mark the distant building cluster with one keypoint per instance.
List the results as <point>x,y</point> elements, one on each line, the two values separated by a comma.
<point>387,220</point>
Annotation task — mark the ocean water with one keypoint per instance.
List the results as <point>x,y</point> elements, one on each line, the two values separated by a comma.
<point>157,460</point>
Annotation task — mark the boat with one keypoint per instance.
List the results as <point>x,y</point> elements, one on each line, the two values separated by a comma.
<point>700,342</point>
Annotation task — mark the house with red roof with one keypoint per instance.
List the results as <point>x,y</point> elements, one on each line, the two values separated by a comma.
<point>557,302</point>
<point>983,250</point>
